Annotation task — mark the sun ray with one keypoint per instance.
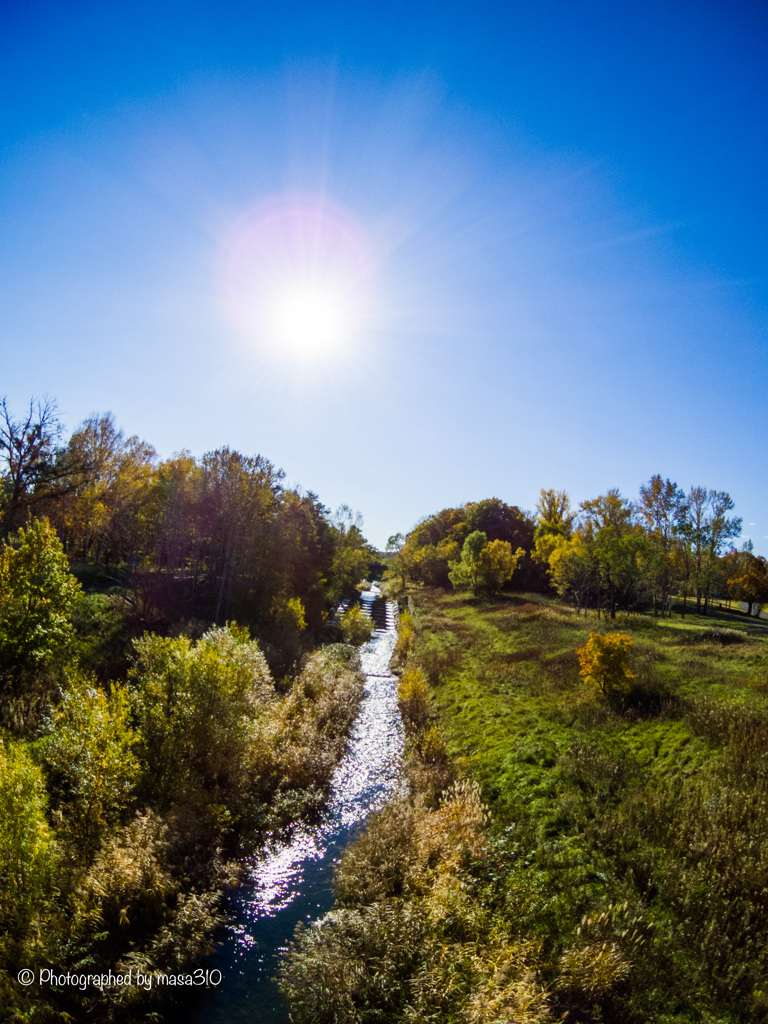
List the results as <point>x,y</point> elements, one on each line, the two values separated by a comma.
<point>297,277</point>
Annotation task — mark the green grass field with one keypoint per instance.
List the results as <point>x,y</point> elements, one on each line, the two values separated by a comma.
<point>656,800</point>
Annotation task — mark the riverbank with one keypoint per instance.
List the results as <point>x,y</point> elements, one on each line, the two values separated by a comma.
<point>226,759</point>
<point>290,882</point>
<point>618,876</point>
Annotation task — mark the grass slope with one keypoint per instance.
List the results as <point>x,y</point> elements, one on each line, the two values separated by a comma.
<point>648,811</point>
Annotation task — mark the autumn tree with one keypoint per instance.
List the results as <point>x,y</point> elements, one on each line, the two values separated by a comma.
<point>604,662</point>
<point>33,467</point>
<point>497,564</point>
<point>660,508</point>
<point>574,567</point>
<point>101,517</point>
<point>747,578</point>
<point>555,519</point>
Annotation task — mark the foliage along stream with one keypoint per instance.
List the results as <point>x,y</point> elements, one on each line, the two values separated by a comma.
<point>291,882</point>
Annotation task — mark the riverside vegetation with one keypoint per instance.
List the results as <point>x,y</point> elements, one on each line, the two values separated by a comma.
<point>585,836</point>
<point>567,851</point>
<point>147,742</point>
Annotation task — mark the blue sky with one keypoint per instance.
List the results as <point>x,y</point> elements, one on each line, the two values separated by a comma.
<point>562,210</point>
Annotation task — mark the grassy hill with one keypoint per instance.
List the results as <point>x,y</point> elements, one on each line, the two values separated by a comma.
<point>656,799</point>
<point>622,870</point>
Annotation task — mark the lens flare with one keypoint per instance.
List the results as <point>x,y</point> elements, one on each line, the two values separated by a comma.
<point>297,276</point>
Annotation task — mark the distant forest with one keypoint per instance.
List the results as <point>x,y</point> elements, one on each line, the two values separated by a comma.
<point>609,554</point>
<point>213,539</point>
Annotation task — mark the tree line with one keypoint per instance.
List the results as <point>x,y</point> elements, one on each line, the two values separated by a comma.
<point>146,740</point>
<point>209,538</point>
<point>610,553</point>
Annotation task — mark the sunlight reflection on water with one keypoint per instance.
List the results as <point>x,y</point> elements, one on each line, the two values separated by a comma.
<point>363,780</point>
<point>291,882</point>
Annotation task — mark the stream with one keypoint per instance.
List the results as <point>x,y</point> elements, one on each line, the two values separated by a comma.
<point>291,881</point>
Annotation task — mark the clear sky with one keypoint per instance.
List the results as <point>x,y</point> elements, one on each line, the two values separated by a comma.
<point>416,254</point>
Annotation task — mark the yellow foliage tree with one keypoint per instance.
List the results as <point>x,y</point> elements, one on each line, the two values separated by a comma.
<point>604,662</point>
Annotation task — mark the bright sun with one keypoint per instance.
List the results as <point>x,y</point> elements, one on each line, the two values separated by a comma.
<point>311,319</point>
<point>297,274</point>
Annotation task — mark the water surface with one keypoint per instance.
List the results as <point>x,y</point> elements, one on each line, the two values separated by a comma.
<point>291,882</point>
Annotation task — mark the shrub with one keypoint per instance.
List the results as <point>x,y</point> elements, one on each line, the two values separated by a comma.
<point>89,757</point>
<point>601,958</point>
<point>453,834</point>
<point>604,662</point>
<point>27,846</point>
<point>130,905</point>
<point>376,865</point>
<point>356,628</point>
<point>406,634</point>
<point>721,636</point>
<point>352,966</point>
<point>198,708</point>
<point>509,991</point>
<point>413,698</point>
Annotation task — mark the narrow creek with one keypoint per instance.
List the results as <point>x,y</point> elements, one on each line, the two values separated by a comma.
<point>292,881</point>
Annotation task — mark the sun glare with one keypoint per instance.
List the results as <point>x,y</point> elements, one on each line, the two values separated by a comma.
<point>311,319</point>
<point>297,278</point>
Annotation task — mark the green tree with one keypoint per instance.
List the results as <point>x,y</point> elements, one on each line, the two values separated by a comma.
<point>466,572</point>
<point>497,564</point>
<point>37,592</point>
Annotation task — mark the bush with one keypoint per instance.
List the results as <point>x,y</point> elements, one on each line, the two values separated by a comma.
<point>604,662</point>
<point>27,846</point>
<point>356,628</point>
<point>89,757</point>
<point>352,966</point>
<point>601,958</point>
<point>198,709</point>
<point>376,865</point>
<point>414,699</point>
<point>406,634</point>
<point>130,904</point>
<point>721,636</point>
